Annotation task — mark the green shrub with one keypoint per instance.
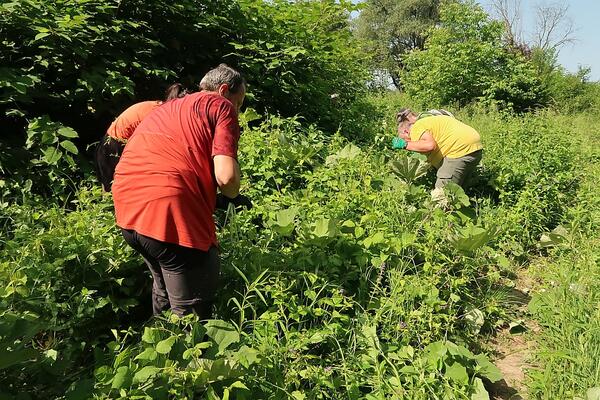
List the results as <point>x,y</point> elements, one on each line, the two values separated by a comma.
<point>464,60</point>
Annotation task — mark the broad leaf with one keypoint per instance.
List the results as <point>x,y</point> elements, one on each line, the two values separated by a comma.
<point>122,378</point>
<point>145,373</point>
<point>479,391</point>
<point>223,333</point>
<point>471,238</point>
<point>67,132</point>
<point>69,146</point>
<point>486,369</point>
<point>9,358</point>
<point>52,155</point>
<point>457,372</point>
<point>325,227</point>
<point>164,346</point>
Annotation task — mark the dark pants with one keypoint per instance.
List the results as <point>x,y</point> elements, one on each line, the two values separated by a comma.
<point>185,279</point>
<point>457,170</point>
<point>108,154</point>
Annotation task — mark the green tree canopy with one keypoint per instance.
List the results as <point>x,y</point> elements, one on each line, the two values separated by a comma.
<point>391,28</point>
<point>464,59</point>
<point>82,62</point>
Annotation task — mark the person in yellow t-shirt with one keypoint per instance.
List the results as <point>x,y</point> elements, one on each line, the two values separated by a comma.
<point>452,147</point>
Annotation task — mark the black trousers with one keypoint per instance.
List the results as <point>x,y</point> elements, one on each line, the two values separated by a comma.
<point>108,154</point>
<point>185,279</point>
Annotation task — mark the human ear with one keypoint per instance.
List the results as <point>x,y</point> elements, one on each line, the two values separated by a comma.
<point>223,89</point>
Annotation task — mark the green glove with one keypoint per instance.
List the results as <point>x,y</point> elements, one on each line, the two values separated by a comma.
<point>398,143</point>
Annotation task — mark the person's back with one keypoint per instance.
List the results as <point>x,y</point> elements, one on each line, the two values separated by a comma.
<point>454,138</point>
<point>125,124</point>
<point>163,185</point>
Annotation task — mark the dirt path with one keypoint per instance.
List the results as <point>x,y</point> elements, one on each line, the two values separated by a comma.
<point>512,347</point>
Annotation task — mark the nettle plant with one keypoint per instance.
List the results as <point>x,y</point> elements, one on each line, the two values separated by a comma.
<point>52,142</point>
<point>175,356</point>
<point>54,156</point>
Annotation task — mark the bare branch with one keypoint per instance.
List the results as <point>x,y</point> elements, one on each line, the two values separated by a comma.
<point>554,27</point>
<point>509,13</point>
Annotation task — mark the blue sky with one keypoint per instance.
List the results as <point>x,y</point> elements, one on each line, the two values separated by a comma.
<point>585,15</point>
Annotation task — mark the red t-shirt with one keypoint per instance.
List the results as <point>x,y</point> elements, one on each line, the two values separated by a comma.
<point>124,125</point>
<point>164,185</point>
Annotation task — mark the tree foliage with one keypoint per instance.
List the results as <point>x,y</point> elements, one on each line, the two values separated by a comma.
<point>297,54</point>
<point>464,60</point>
<point>391,28</point>
<point>81,62</point>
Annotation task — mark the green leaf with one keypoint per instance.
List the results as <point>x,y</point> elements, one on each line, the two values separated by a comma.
<point>149,354</point>
<point>151,335</point>
<point>486,369</point>
<point>51,354</point>
<point>52,155</point>
<point>41,35</point>
<point>471,238</point>
<point>67,132</point>
<point>238,385</point>
<point>249,115</point>
<point>122,378</point>
<point>461,351</point>
<point>284,221</point>
<point>349,152</point>
<point>325,227</point>
<point>221,370</point>
<point>456,195</point>
<point>409,168</point>
<point>81,390</point>
<point>145,373</point>
<point>247,356</point>
<point>457,372</point>
<point>435,351</point>
<point>376,238</point>
<point>297,395</point>
<point>69,146</point>
<point>9,358</point>
<point>223,333</point>
<point>164,346</point>
<point>479,392</point>
<point>559,235</point>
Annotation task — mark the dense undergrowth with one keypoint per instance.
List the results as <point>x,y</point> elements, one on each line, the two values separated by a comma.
<point>346,280</point>
<point>565,300</point>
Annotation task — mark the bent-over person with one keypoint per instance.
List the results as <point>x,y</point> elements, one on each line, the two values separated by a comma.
<point>452,147</point>
<point>165,190</point>
<point>110,148</point>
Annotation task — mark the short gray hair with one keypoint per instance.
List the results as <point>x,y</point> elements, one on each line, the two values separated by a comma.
<point>223,74</point>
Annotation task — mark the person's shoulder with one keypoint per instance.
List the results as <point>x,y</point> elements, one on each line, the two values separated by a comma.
<point>212,98</point>
<point>423,123</point>
<point>145,104</point>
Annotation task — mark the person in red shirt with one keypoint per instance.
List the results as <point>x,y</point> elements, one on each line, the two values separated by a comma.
<point>165,189</point>
<point>111,145</point>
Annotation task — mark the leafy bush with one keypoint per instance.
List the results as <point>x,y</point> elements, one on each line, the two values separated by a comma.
<point>346,276</point>
<point>464,60</point>
<point>82,62</point>
<point>568,92</point>
<point>297,54</point>
<point>67,278</point>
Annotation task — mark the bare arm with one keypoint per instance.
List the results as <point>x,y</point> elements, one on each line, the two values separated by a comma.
<point>424,145</point>
<point>227,174</point>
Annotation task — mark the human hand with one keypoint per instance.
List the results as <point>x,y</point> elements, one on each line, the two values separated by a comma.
<point>238,201</point>
<point>399,143</point>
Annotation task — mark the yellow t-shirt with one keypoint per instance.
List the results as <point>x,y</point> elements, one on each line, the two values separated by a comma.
<point>454,139</point>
